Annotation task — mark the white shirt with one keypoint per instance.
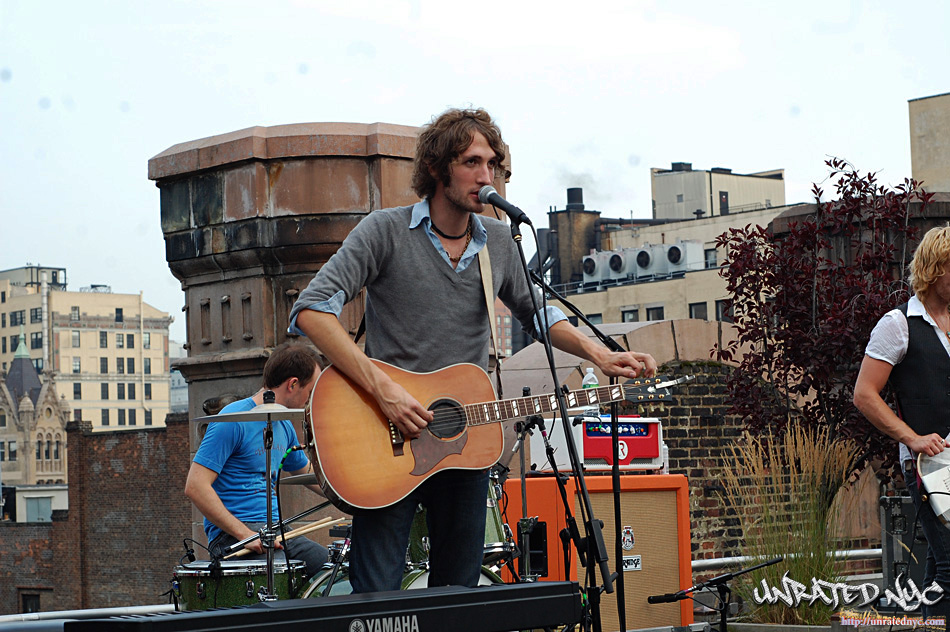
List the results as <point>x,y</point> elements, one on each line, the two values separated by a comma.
<point>889,340</point>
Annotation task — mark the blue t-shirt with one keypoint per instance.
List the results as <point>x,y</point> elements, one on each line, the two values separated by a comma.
<point>235,450</point>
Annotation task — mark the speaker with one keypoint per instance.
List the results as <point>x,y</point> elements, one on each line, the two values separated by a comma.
<point>903,545</point>
<point>654,530</point>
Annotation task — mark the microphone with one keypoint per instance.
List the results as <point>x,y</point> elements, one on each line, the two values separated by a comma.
<point>488,195</point>
<point>667,598</point>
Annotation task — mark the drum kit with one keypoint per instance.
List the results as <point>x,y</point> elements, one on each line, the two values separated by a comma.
<point>203,584</point>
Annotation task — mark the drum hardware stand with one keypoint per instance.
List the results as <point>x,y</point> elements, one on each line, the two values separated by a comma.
<point>338,563</point>
<point>721,582</point>
<point>594,538</point>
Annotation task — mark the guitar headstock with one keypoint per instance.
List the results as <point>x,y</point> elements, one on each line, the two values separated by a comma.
<point>646,390</point>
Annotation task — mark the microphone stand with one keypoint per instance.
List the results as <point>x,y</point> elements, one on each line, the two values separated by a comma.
<point>613,345</point>
<point>721,582</point>
<point>593,540</point>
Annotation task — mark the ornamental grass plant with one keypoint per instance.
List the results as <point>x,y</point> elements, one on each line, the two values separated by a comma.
<point>782,490</point>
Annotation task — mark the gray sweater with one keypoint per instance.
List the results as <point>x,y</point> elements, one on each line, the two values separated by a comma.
<point>421,315</point>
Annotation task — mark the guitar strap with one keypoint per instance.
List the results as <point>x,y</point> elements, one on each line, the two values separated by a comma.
<point>494,365</point>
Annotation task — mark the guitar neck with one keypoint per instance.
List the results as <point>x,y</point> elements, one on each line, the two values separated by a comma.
<point>505,409</point>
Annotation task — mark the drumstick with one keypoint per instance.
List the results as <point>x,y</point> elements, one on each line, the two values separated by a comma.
<point>325,522</point>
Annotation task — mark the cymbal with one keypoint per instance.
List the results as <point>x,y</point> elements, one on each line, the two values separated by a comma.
<point>274,412</point>
<point>299,479</point>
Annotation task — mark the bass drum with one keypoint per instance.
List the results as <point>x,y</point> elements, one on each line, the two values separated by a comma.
<point>413,579</point>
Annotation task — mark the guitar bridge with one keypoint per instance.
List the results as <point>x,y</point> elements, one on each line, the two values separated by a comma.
<point>395,438</point>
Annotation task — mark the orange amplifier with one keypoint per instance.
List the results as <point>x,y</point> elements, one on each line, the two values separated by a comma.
<point>655,536</point>
<point>640,446</point>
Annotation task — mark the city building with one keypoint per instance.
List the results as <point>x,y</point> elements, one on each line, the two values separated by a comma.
<point>109,351</point>
<point>33,421</point>
<point>682,193</point>
<point>930,141</point>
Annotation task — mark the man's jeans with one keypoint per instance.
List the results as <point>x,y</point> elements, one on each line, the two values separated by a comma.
<point>938,548</point>
<point>455,502</point>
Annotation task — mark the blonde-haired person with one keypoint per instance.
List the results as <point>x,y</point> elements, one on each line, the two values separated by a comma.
<point>910,349</point>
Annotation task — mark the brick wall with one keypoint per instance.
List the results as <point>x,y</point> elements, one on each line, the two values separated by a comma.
<point>122,535</point>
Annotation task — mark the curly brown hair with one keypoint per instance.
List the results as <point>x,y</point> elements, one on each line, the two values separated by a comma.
<point>444,139</point>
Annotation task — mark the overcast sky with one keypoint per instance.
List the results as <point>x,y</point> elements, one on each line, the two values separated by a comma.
<point>589,94</point>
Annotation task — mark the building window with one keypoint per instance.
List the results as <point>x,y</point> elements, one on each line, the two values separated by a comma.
<point>18,318</point>
<point>147,366</point>
<point>131,390</point>
<point>3,319</point>
<point>119,341</point>
<point>77,366</point>
<point>56,447</point>
<point>104,390</point>
<point>129,341</point>
<point>3,343</point>
<point>14,343</point>
<point>148,418</point>
<point>103,340</point>
<point>77,414</point>
<point>146,340</point>
<point>3,297</point>
<point>75,339</point>
<point>3,454</point>
<point>679,198</point>
<point>36,314</point>
<point>120,391</point>
<point>121,415</point>
<point>118,314</point>
<point>148,391</point>
<point>723,314</point>
<point>47,453</point>
<point>74,313</point>
<point>630,316</point>
<point>655,313</point>
<point>36,340</point>
<point>105,417</point>
<point>77,390</point>
<point>697,310</point>
<point>131,416</point>
<point>103,365</point>
<point>711,258</point>
<point>596,319</point>
<point>11,450</point>
<point>3,419</point>
<point>38,364</point>
<point>39,448</point>
<point>120,365</point>
<point>131,366</point>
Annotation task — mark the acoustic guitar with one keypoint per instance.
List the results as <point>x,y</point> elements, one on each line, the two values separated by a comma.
<point>362,461</point>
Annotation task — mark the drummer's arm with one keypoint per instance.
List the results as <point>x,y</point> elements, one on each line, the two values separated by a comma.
<point>872,378</point>
<point>198,489</point>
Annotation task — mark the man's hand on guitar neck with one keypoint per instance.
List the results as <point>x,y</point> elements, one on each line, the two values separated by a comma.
<point>630,364</point>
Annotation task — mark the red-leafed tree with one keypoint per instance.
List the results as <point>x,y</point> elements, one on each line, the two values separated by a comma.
<point>805,301</point>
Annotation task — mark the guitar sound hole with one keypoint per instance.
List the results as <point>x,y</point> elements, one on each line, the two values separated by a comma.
<point>449,419</point>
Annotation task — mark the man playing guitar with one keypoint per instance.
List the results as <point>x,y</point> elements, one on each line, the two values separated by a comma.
<point>426,310</point>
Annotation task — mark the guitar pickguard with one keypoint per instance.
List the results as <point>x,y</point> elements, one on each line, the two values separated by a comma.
<point>428,451</point>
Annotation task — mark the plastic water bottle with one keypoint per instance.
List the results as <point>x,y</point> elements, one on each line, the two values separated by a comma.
<point>590,381</point>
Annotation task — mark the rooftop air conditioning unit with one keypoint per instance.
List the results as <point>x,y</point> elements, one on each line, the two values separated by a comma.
<point>684,256</point>
<point>622,264</point>
<point>651,260</point>
<point>595,267</point>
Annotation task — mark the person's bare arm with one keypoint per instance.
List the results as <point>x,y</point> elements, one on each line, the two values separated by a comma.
<point>872,377</point>
<point>628,364</point>
<point>198,489</point>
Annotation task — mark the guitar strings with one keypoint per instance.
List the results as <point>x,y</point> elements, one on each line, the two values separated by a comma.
<point>444,418</point>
